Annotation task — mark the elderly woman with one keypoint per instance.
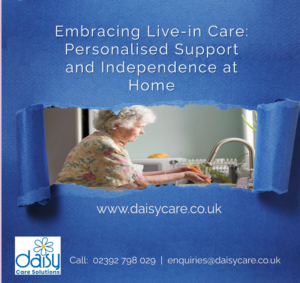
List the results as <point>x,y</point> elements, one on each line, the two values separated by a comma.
<point>101,160</point>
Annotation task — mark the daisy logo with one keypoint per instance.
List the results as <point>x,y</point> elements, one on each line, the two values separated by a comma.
<point>37,256</point>
<point>44,246</point>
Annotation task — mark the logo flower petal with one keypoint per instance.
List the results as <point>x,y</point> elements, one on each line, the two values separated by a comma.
<point>45,241</point>
<point>37,249</point>
<point>49,249</point>
<point>38,243</point>
<point>49,244</point>
<point>43,252</point>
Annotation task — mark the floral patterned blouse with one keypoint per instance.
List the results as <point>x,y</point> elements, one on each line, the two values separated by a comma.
<point>98,161</point>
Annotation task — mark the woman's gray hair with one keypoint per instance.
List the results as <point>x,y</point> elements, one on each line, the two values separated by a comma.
<point>127,117</point>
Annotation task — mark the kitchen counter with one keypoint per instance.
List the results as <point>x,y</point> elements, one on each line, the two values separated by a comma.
<point>204,185</point>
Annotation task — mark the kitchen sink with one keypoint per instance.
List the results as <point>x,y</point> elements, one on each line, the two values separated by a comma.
<point>205,184</point>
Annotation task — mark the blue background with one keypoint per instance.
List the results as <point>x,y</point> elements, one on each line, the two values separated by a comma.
<point>251,224</point>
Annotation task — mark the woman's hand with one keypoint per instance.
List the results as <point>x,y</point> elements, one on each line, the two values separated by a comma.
<point>196,178</point>
<point>139,185</point>
<point>179,170</point>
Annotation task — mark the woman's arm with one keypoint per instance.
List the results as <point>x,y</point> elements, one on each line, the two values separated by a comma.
<point>154,173</point>
<point>175,170</point>
<point>165,179</point>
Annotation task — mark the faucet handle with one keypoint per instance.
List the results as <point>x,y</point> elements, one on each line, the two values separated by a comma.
<point>251,173</point>
<point>207,164</point>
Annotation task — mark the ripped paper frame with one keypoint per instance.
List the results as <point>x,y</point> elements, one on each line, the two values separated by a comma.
<point>252,224</point>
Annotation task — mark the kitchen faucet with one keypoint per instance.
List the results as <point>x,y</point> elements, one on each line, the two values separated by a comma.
<point>216,148</point>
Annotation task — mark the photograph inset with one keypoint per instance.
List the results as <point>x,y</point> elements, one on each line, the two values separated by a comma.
<point>140,146</point>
